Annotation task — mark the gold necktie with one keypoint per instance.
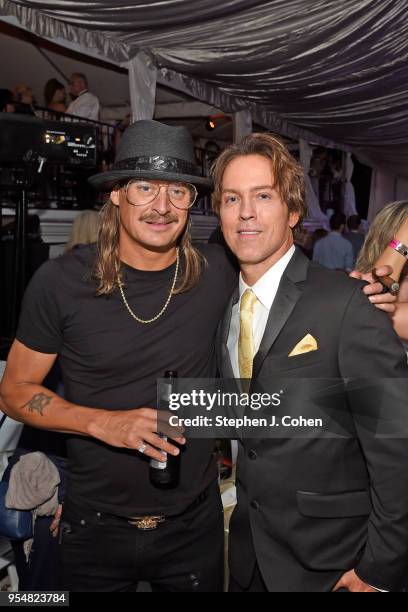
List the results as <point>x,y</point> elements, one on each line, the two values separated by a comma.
<point>246,347</point>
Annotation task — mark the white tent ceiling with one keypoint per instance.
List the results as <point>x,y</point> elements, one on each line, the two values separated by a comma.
<point>334,68</point>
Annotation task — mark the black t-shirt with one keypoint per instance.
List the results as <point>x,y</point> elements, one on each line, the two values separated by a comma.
<point>110,361</point>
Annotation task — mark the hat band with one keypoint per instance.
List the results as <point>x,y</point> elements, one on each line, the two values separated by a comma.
<point>162,164</point>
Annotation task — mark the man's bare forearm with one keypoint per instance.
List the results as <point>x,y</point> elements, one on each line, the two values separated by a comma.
<point>24,398</point>
<point>35,405</point>
<point>39,407</point>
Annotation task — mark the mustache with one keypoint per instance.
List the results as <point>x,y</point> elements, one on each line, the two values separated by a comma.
<point>156,218</point>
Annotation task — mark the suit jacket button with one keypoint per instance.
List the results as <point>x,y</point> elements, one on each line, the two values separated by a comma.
<point>253,455</point>
<point>255,505</point>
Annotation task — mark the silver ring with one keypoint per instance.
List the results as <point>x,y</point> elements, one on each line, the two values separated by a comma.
<point>142,449</point>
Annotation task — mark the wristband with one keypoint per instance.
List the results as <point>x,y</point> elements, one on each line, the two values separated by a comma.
<point>400,247</point>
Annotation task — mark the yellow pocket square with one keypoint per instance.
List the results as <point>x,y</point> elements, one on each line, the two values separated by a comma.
<point>307,345</point>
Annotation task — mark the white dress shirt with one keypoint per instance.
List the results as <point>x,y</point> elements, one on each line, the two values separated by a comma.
<point>265,290</point>
<point>86,106</point>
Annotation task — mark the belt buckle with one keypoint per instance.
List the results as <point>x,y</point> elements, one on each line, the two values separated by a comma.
<point>146,523</point>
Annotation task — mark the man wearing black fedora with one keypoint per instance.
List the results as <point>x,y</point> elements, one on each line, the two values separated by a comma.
<point>118,317</point>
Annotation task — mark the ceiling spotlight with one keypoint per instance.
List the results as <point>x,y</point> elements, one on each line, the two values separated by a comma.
<point>210,124</point>
<point>217,121</point>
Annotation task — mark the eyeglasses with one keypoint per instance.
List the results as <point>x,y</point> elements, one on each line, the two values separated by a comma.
<point>142,193</point>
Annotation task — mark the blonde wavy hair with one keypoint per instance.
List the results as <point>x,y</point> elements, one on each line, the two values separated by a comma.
<point>108,266</point>
<point>85,229</point>
<point>288,173</point>
<point>382,231</point>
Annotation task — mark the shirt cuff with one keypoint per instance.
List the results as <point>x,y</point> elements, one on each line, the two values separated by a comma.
<point>379,590</point>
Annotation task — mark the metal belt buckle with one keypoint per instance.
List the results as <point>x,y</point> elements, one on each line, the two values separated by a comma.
<point>146,523</point>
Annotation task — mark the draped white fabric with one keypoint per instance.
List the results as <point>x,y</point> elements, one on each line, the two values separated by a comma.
<point>349,192</point>
<point>312,201</point>
<point>142,85</point>
<point>385,188</point>
<point>336,69</point>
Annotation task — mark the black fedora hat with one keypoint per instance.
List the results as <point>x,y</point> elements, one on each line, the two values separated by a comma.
<point>153,150</point>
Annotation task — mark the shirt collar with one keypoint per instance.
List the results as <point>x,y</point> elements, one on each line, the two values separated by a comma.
<point>265,288</point>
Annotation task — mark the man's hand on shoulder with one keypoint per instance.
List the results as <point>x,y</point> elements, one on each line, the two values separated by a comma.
<point>374,290</point>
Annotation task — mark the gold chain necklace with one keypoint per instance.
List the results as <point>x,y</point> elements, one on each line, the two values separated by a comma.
<point>163,310</point>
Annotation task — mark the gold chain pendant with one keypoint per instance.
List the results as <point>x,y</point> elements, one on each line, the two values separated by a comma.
<point>163,310</point>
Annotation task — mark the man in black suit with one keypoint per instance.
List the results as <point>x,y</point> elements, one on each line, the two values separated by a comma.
<point>315,513</point>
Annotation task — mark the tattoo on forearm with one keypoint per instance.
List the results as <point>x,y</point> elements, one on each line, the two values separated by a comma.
<point>38,402</point>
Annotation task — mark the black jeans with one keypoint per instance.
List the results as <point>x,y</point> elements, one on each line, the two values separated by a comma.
<point>40,572</point>
<point>102,553</point>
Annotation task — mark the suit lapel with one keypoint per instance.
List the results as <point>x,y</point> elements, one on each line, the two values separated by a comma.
<point>288,295</point>
<point>225,364</point>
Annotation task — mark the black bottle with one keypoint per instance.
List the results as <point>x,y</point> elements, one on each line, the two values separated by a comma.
<point>166,474</point>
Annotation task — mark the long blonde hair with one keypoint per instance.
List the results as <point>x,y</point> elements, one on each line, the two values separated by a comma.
<point>108,265</point>
<point>382,231</point>
<point>85,229</point>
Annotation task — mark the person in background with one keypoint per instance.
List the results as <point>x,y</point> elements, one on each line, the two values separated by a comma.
<point>6,101</point>
<point>334,251</point>
<point>354,234</point>
<point>24,94</point>
<point>85,103</point>
<point>120,128</point>
<point>318,235</point>
<point>55,96</point>
<point>24,99</point>
<point>304,240</point>
<point>85,230</point>
<point>390,223</point>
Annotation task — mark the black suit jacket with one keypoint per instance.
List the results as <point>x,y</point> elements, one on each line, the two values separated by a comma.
<point>311,509</point>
